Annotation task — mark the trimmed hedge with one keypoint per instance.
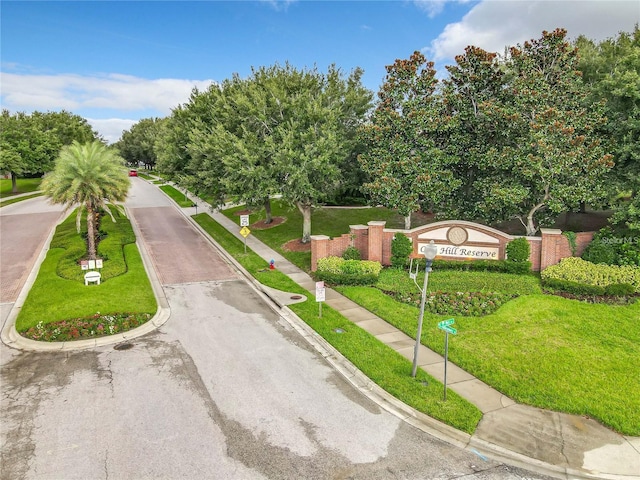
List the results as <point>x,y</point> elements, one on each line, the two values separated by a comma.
<point>338,271</point>
<point>502,266</point>
<point>578,271</point>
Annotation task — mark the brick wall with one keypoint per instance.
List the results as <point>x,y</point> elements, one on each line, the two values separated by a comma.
<point>373,242</point>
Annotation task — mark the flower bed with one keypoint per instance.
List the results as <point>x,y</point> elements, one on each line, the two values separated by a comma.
<point>468,304</point>
<point>86,327</point>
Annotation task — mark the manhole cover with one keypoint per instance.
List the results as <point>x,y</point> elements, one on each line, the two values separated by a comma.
<point>123,346</point>
<point>296,297</point>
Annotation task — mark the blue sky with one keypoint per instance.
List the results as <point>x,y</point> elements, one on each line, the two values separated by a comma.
<point>114,62</point>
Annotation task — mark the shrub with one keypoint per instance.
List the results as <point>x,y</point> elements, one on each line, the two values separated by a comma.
<point>501,266</point>
<point>518,250</point>
<point>351,253</point>
<point>619,289</point>
<point>599,252</point>
<point>614,247</point>
<point>346,279</point>
<point>573,287</point>
<point>338,271</point>
<point>330,264</point>
<point>580,271</point>
<point>401,248</point>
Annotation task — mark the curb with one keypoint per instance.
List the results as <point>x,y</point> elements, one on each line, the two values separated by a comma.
<point>13,339</point>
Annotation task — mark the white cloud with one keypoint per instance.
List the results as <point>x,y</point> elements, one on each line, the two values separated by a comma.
<point>114,93</point>
<point>111,91</point>
<point>111,128</point>
<point>493,25</point>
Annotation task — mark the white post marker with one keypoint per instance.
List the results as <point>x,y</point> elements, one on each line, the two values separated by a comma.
<point>244,220</point>
<point>320,296</point>
<point>446,326</point>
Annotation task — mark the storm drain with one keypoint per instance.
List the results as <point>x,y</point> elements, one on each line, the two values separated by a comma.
<point>123,346</point>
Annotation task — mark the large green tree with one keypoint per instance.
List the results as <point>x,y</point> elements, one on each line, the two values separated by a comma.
<point>29,144</point>
<point>402,157</point>
<point>611,69</point>
<point>473,124</point>
<point>90,176</point>
<point>528,142</point>
<point>281,130</point>
<point>137,145</point>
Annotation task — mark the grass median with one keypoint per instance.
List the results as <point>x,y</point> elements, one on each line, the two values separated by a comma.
<point>54,299</point>
<point>381,364</point>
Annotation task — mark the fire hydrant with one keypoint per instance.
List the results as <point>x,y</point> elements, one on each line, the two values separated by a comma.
<point>272,264</point>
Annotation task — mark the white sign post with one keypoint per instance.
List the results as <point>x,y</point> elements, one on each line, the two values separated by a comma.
<point>244,220</point>
<point>320,296</point>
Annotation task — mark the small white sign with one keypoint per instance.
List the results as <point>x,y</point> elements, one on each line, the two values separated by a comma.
<point>98,263</point>
<point>320,292</point>
<point>84,265</point>
<point>92,264</point>
<point>244,220</point>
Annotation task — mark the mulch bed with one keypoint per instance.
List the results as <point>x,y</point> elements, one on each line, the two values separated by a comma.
<point>275,221</point>
<point>296,246</point>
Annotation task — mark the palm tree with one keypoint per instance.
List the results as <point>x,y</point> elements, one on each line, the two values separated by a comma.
<point>89,175</point>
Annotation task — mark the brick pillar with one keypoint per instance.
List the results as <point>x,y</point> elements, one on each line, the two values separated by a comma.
<point>360,239</point>
<point>319,249</point>
<point>551,238</point>
<point>376,228</point>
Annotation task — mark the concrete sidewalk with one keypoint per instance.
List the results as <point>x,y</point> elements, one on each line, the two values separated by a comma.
<point>552,443</point>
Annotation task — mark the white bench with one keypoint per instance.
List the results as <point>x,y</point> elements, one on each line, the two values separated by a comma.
<point>92,277</point>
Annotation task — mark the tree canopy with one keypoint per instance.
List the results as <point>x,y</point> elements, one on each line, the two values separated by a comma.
<point>281,130</point>
<point>137,145</point>
<point>511,137</point>
<point>29,144</point>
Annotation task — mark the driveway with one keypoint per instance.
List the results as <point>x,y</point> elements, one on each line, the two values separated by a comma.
<point>226,389</point>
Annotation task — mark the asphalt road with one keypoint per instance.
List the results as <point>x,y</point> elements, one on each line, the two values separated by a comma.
<point>226,389</point>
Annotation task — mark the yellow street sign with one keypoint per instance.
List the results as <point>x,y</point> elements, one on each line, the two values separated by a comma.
<point>244,231</point>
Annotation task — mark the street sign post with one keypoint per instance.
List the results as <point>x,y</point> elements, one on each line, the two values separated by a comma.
<point>244,231</point>
<point>445,325</point>
<point>244,220</point>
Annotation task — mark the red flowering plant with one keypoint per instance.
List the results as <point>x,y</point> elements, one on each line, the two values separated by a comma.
<point>82,328</point>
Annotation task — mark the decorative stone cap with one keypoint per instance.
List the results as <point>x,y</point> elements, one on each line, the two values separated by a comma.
<point>320,237</point>
<point>551,231</point>
<point>358,227</point>
<point>375,223</point>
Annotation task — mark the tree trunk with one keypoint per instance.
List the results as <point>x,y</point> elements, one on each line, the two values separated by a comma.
<point>407,222</point>
<point>267,210</point>
<point>583,207</point>
<point>14,183</point>
<point>91,233</point>
<point>305,210</point>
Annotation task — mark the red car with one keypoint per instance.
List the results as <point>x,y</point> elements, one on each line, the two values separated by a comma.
<point>133,172</point>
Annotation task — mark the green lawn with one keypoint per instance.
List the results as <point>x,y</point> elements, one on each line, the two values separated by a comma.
<point>324,220</point>
<point>540,350</point>
<point>177,196</point>
<point>10,200</point>
<point>53,298</point>
<point>25,185</point>
<point>384,366</point>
